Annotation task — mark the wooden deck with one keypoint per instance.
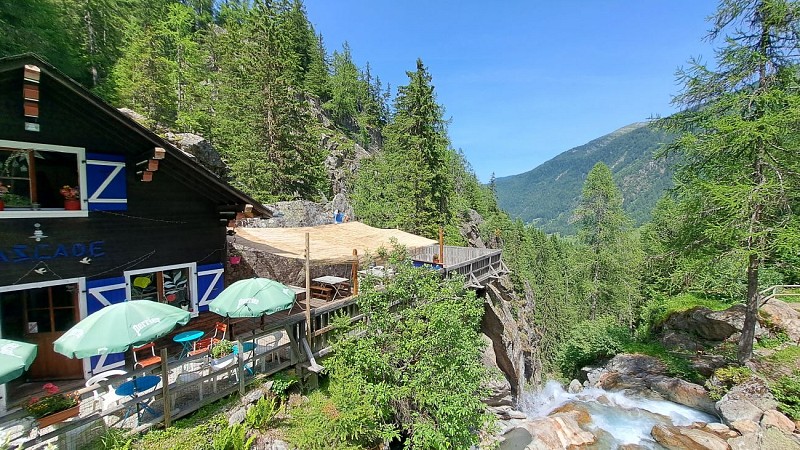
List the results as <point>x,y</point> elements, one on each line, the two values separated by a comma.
<point>477,265</point>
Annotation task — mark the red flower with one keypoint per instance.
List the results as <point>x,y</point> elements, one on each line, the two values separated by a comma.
<point>50,388</point>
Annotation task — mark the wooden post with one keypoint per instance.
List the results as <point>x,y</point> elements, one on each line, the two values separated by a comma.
<point>308,291</point>
<point>165,388</point>
<point>240,368</point>
<point>441,245</point>
<point>355,273</point>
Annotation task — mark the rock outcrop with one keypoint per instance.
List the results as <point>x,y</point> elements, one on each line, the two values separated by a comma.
<point>200,149</point>
<point>509,342</point>
<point>699,328</point>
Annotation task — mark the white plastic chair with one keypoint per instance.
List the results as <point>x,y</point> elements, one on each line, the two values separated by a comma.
<point>110,398</point>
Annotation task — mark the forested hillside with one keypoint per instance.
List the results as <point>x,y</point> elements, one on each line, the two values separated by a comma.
<point>547,195</point>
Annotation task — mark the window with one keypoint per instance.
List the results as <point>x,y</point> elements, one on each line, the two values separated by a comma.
<point>170,285</point>
<point>33,178</point>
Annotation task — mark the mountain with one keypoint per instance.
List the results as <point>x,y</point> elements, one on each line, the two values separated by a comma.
<point>548,194</point>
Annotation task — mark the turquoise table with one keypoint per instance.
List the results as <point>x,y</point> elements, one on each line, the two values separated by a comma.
<point>132,388</point>
<point>186,339</point>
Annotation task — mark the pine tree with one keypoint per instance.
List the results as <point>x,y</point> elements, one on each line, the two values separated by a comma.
<point>262,123</point>
<point>739,179</point>
<point>409,186</point>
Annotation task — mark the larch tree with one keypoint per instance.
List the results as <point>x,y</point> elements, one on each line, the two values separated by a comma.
<point>612,252</point>
<point>739,177</point>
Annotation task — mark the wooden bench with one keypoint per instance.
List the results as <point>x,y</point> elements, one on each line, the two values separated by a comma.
<point>322,292</point>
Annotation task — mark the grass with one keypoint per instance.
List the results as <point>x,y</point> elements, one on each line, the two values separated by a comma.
<point>677,365</point>
<point>685,302</point>
<point>193,432</point>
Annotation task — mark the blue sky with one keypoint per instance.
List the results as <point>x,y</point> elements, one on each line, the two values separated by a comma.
<point>523,81</point>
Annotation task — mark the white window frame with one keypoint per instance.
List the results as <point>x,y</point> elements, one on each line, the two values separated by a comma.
<point>81,156</point>
<point>129,274</point>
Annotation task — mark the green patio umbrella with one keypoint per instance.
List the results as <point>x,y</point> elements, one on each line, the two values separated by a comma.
<point>15,358</point>
<point>252,298</point>
<point>116,328</point>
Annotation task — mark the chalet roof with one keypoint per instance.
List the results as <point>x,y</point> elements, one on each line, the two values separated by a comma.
<point>181,165</point>
<point>329,244</point>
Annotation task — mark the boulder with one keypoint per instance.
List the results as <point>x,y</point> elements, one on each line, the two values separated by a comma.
<point>768,439</point>
<point>746,401</point>
<point>576,411</point>
<point>574,387</point>
<point>784,317</point>
<point>706,364</point>
<point>721,430</point>
<point>733,411</point>
<point>553,432</point>
<point>773,418</point>
<point>684,393</point>
<point>745,426</point>
<point>201,149</point>
<point>705,323</point>
<point>680,438</point>
<point>506,412</point>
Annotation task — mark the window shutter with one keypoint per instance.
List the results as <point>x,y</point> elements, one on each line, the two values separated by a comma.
<point>210,282</point>
<point>99,294</point>
<point>105,181</point>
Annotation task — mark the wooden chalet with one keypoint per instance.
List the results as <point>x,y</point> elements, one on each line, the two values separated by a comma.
<point>148,221</point>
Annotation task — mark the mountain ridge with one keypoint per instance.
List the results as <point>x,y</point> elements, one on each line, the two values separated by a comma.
<point>547,194</point>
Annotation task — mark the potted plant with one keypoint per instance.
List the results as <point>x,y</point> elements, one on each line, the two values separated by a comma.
<point>221,354</point>
<point>54,407</point>
<point>71,198</point>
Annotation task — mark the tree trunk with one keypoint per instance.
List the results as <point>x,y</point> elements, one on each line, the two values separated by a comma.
<point>745,351</point>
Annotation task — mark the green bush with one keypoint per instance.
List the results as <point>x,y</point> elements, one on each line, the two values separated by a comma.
<point>725,378</point>
<point>787,391</point>
<point>281,382</point>
<point>589,341</point>
<point>222,348</point>
<point>232,438</point>
<point>260,415</point>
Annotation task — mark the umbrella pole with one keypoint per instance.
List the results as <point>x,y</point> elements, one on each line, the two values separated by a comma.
<point>308,291</point>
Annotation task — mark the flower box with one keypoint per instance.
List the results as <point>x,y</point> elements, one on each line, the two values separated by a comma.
<point>58,416</point>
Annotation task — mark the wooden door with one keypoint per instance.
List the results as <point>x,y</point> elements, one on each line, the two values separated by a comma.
<point>49,312</point>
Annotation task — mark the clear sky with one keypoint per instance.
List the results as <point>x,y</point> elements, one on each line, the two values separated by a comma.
<point>523,81</point>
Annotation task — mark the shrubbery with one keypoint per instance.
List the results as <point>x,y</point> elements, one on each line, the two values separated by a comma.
<point>787,391</point>
<point>589,341</point>
<point>725,378</point>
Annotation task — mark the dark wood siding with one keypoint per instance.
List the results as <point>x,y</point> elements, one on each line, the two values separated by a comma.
<point>170,220</point>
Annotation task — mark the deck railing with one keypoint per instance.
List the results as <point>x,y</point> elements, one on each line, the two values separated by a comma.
<point>192,383</point>
<point>477,265</point>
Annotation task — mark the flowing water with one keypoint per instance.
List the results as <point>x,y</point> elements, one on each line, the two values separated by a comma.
<point>617,419</point>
